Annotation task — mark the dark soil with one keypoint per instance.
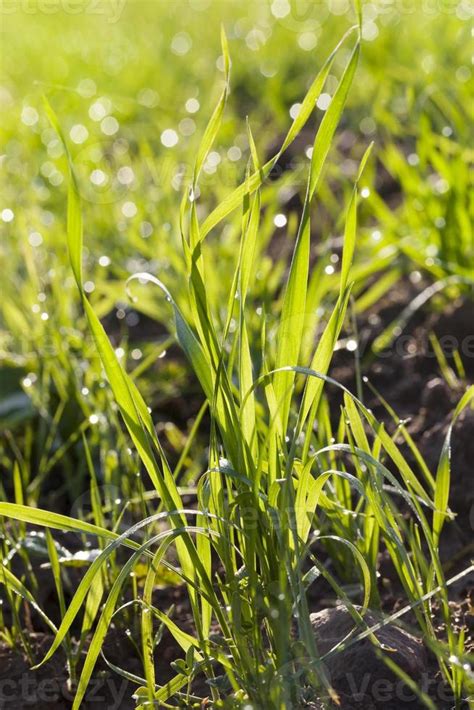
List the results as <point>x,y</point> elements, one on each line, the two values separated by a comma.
<point>409,378</point>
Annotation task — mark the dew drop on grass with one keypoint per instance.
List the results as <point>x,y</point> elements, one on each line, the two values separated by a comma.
<point>214,158</point>
<point>35,239</point>
<point>329,269</point>
<point>125,175</point>
<point>369,31</point>
<point>234,153</point>
<point>146,229</point>
<point>280,220</point>
<point>323,101</point>
<point>365,192</point>
<point>79,134</point>
<point>294,110</point>
<point>29,116</point>
<point>187,127</point>
<point>192,105</point>
<point>148,98</point>
<point>129,209</point>
<point>367,126</point>
<point>307,41</point>
<point>44,316</point>
<point>109,126</point>
<point>104,260</point>
<point>132,319</point>
<point>8,215</point>
<point>94,419</point>
<point>351,345</point>
<point>86,88</point>
<point>97,110</point>
<point>181,43</point>
<point>280,8</point>
<point>169,138</point>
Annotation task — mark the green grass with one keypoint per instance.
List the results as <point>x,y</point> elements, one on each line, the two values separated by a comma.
<point>277,476</point>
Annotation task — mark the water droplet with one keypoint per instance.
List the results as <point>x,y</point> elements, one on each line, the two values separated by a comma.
<point>35,239</point>
<point>323,101</point>
<point>307,41</point>
<point>86,88</point>
<point>367,126</point>
<point>280,8</point>
<point>146,229</point>
<point>369,31</point>
<point>181,43</point>
<point>148,98</point>
<point>8,215</point>
<point>280,220</point>
<point>100,109</point>
<point>79,133</point>
<point>29,116</point>
<point>192,106</point>
<point>213,158</point>
<point>169,138</point>
<point>187,127</point>
<point>125,175</point>
<point>109,126</point>
<point>294,110</point>
<point>129,209</point>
